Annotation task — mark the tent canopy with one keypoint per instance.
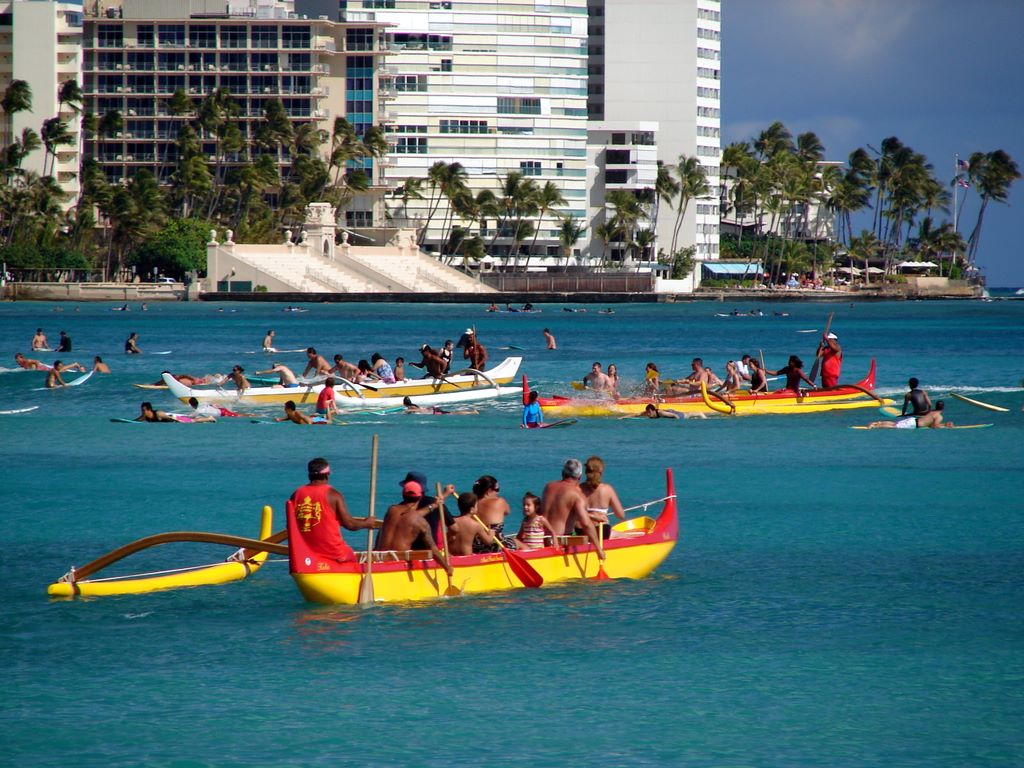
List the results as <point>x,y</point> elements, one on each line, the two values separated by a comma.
<point>917,265</point>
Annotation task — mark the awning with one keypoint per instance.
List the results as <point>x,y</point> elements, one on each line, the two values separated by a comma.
<point>917,265</point>
<point>848,270</point>
<point>719,268</point>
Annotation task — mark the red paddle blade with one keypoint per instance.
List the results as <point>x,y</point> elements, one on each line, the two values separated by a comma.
<point>601,574</point>
<point>525,572</point>
<point>526,391</point>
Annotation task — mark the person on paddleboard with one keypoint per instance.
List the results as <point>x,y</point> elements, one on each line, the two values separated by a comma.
<point>831,355</point>
<point>931,420</point>
<point>148,413</point>
<point>316,514</point>
<point>29,364</point>
<point>533,416</point>
<point>39,342</point>
<point>916,398</point>
<point>294,415</point>
<point>268,342</point>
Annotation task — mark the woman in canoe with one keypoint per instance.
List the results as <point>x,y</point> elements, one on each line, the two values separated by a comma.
<point>381,368</point>
<point>601,496</point>
<point>492,510</point>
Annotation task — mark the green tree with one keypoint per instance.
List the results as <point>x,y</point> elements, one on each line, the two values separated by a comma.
<point>992,174</point>
<point>175,249</point>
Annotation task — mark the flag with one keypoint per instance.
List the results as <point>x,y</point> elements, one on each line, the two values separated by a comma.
<point>961,182</point>
<point>962,164</point>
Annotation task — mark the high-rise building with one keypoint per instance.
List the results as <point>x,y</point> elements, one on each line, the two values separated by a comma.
<point>139,53</point>
<point>41,44</point>
<point>497,87</point>
<point>660,61</point>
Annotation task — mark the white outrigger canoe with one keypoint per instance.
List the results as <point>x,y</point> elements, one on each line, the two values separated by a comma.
<point>460,387</point>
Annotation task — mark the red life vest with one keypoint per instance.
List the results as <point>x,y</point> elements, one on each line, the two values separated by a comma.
<point>831,364</point>
<point>314,537</point>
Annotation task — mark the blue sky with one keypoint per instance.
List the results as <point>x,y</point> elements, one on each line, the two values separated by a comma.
<point>945,77</point>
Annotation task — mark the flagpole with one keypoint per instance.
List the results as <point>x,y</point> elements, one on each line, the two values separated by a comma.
<point>956,188</point>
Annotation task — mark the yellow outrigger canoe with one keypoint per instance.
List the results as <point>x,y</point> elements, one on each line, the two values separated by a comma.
<point>636,547</point>
<point>247,560</point>
<point>739,403</point>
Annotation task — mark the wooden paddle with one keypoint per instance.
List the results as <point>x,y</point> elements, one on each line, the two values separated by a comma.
<point>601,575</point>
<point>525,572</point>
<point>817,357</point>
<point>764,373</point>
<point>452,590</point>
<point>366,588</point>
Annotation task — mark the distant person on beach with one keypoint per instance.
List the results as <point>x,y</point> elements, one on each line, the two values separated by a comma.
<point>317,513</point>
<point>268,342</point>
<point>29,364</point>
<point>831,360</point>
<point>285,375</point>
<point>100,367</point>
<point>916,398</point>
<point>931,420</point>
<point>131,344</point>
<point>64,344</point>
<point>549,337</point>
<point>39,342</point>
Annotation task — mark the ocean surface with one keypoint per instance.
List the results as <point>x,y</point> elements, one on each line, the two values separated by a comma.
<point>837,597</point>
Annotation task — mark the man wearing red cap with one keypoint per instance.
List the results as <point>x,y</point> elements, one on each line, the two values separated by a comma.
<point>831,360</point>
<point>315,512</point>
<point>404,522</point>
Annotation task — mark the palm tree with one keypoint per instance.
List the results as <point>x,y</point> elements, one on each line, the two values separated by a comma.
<point>54,134</point>
<point>775,139</point>
<point>864,247</point>
<point>627,212</point>
<point>569,234</point>
<point>693,183</point>
<point>17,97</point>
<point>71,95</point>
<point>992,175</point>
<point>548,197</point>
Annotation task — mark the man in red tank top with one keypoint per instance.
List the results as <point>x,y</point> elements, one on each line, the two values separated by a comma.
<point>831,360</point>
<point>315,514</point>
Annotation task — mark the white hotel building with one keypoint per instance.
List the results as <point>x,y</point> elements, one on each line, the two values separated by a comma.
<point>45,53</point>
<point>495,86</point>
<point>660,61</point>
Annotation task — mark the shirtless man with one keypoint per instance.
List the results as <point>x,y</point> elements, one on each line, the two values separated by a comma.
<point>268,342</point>
<point>315,363</point>
<point>237,376</point>
<point>466,531</point>
<point>597,379</point>
<point>931,420</point>
<point>292,414</point>
<point>404,523</point>
<point>53,376</point>
<point>916,398</point>
<point>432,361</point>
<point>344,368</point>
<point>475,353</point>
<point>564,506</point>
<point>285,375</point>
<point>29,364</point>
<point>100,367</point>
<point>549,337</point>
<point>131,344</point>
<point>692,383</point>
<point>411,407</point>
<point>39,341</point>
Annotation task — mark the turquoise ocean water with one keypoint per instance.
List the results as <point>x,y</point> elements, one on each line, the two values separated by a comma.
<point>837,597</point>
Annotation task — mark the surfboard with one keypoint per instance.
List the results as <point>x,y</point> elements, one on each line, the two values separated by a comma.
<point>978,403</point>
<point>165,352</point>
<point>561,423</point>
<point>939,429</point>
<point>511,346</point>
<point>127,421</point>
<point>80,380</point>
<point>150,386</point>
<point>18,410</point>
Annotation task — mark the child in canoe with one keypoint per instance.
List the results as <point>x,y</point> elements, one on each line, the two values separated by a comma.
<point>534,525</point>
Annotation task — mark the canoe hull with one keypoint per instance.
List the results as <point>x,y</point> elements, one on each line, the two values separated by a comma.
<point>452,389</point>
<point>745,403</point>
<point>628,557</point>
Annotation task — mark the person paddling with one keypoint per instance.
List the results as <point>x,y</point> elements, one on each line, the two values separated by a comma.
<point>831,355</point>
<point>916,398</point>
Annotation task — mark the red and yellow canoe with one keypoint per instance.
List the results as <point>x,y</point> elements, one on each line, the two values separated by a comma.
<point>740,403</point>
<point>635,548</point>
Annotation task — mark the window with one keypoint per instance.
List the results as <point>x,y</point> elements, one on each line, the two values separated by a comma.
<point>233,37</point>
<point>616,177</point>
<point>411,145</point>
<point>234,62</point>
<point>446,65</point>
<point>202,36</point>
<point>171,35</point>
<point>708,53</point>
<point>264,36</point>
<point>464,126</point>
<point>298,62</point>
<point>379,3</point>
<point>708,34</point>
<point>708,72</point>
<point>411,83</point>
<point>518,105</point>
<point>530,167</point>
<point>644,138</point>
<point>110,36</point>
<point>144,36</point>
<point>421,42</point>
<point>618,157</point>
<point>444,5</point>
<point>359,39</point>
<point>296,37</point>
<point>359,218</point>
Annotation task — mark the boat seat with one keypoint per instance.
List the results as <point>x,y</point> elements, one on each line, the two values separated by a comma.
<point>572,541</point>
<point>396,556</point>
